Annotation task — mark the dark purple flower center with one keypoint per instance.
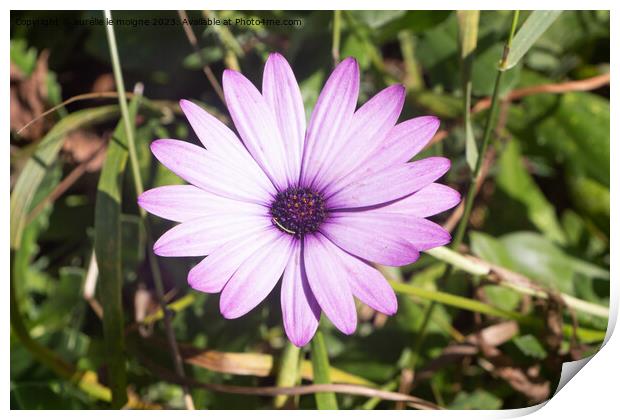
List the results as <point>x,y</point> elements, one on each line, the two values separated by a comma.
<point>298,211</point>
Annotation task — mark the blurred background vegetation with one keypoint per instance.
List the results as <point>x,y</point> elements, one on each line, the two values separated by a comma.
<point>541,213</point>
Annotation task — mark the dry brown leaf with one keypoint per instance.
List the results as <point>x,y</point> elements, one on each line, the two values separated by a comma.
<point>29,98</point>
<point>502,366</point>
<point>104,83</point>
<point>81,145</point>
<point>292,390</point>
<point>495,335</point>
<point>145,304</point>
<point>533,387</point>
<point>255,364</point>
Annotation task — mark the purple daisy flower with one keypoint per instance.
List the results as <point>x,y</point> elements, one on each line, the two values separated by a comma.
<point>315,205</point>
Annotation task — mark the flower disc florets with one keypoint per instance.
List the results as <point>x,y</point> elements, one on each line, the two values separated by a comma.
<point>298,211</point>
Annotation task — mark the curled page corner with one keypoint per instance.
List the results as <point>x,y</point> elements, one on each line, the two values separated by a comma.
<point>570,369</point>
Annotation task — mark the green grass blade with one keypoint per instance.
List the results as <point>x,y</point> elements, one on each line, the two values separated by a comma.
<point>535,25</point>
<point>46,153</point>
<point>514,179</point>
<point>468,31</point>
<point>108,250</point>
<point>288,371</point>
<point>584,334</point>
<point>456,301</point>
<point>320,367</point>
<point>475,268</point>
<point>336,36</point>
<point>85,381</point>
<point>468,38</point>
<point>233,50</point>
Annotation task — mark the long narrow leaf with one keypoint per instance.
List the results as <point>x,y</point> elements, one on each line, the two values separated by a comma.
<point>320,367</point>
<point>585,334</point>
<point>108,248</point>
<point>481,268</point>
<point>468,37</point>
<point>46,153</point>
<point>288,371</point>
<point>535,25</point>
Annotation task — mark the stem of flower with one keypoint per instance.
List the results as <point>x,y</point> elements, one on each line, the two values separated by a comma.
<point>288,371</point>
<point>471,192</point>
<point>137,178</point>
<point>320,368</point>
<point>191,37</point>
<point>480,268</point>
<point>336,37</point>
<point>488,129</point>
<point>462,226</point>
<point>122,101</point>
<point>413,78</point>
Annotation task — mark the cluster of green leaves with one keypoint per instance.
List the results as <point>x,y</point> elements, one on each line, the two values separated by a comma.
<point>544,212</point>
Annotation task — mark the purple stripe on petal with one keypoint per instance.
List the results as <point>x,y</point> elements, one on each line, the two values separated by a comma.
<point>213,134</point>
<point>178,203</point>
<point>369,127</point>
<point>181,203</point>
<point>376,239</point>
<point>256,123</point>
<point>282,94</point>
<point>199,237</point>
<point>430,200</point>
<point>391,184</point>
<point>328,280</point>
<point>385,238</point>
<point>369,285</point>
<point>300,310</point>
<point>426,235</point>
<point>214,271</point>
<point>216,174</point>
<point>402,143</point>
<point>218,139</point>
<point>256,277</point>
<point>420,232</point>
<point>330,118</point>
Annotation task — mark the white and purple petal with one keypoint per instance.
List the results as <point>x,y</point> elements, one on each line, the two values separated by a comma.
<point>300,311</point>
<point>256,123</point>
<point>429,201</point>
<point>283,96</point>
<point>403,142</point>
<point>330,119</point>
<point>256,277</point>
<point>398,146</point>
<point>369,127</point>
<point>181,203</point>
<point>199,237</point>
<point>369,285</point>
<point>213,272</point>
<point>328,281</point>
<point>215,136</point>
<point>390,184</point>
<point>379,242</point>
<point>213,173</point>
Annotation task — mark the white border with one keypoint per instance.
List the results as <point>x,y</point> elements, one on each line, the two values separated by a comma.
<point>592,393</point>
